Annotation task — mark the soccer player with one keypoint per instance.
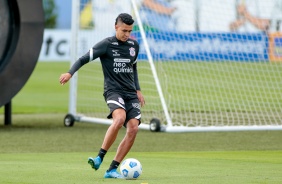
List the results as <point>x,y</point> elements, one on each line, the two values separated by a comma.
<point>122,93</point>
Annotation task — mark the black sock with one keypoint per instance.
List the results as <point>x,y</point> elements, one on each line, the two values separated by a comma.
<point>114,165</point>
<point>102,153</point>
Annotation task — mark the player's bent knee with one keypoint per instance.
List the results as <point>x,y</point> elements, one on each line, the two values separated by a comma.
<point>132,126</point>
<point>118,122</point>
<point>132,132</point>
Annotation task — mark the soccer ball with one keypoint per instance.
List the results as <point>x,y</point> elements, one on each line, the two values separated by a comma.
<point>131,168</point>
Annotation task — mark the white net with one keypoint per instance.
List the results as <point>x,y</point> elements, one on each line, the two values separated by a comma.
<point>216,65</point>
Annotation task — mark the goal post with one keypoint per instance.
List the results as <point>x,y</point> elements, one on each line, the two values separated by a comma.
<point>199,68</point>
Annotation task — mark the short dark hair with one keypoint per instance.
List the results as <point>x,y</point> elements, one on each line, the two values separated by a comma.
<point>125,18</point>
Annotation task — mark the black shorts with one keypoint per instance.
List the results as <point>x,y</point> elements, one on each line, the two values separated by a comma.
<point>130,104</point>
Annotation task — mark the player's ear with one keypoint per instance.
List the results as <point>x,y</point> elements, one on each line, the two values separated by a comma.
<point>116,27</point>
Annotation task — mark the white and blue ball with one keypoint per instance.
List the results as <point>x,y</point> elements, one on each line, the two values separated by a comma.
<point>131,168</point>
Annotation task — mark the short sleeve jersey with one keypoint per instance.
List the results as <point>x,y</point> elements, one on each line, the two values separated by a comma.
<point>118,61</point>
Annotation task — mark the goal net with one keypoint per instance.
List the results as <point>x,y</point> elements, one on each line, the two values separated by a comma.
<point>203,65</point>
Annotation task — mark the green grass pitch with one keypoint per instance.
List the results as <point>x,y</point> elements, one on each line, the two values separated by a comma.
<point>37,148</point>
<point>158,168</point>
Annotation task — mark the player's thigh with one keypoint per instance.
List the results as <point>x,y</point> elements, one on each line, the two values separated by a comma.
<point>115,102</point>
<point>119,115</point>
<point>132,125</point>
<point>133,112</point>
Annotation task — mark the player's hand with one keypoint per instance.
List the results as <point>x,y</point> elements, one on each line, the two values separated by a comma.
<point>236,24</point>
<point>242,10</point>
<point>64,78</point>
<point>140,98</point>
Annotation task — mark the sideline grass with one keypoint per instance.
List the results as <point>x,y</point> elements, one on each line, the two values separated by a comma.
<point>42,93</point>
<point>38,133</point>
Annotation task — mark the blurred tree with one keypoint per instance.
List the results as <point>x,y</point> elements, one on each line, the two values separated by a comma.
<point>50,13</point>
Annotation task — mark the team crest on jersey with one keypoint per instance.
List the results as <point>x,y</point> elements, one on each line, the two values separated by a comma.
<point>114,43</point>
<point>132,51</point>
<point>120,100</point>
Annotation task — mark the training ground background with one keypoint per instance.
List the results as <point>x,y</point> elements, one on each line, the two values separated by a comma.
<point>37,148</point>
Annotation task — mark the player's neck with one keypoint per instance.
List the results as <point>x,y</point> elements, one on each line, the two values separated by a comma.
<point>118,39</point>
